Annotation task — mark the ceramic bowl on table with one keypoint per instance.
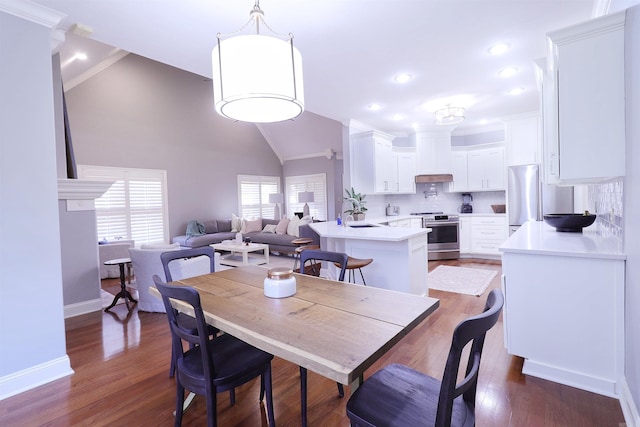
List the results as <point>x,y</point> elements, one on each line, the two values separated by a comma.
<point>570,222</point>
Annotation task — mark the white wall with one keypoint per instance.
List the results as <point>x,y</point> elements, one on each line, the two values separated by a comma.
<point>32,334</point>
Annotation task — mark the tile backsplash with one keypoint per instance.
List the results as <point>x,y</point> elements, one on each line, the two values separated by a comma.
<point>608,201</point>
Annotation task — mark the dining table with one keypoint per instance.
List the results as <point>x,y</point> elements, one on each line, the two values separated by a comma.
<point>336,329</point>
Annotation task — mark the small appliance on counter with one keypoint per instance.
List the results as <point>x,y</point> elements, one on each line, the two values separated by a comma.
<point>393,210</point>
<point>466,203</point>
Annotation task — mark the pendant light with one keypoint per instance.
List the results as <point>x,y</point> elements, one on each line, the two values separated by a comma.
<point>257,78</point>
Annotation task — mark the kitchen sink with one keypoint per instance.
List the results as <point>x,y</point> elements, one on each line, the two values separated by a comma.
<point>362,226</point>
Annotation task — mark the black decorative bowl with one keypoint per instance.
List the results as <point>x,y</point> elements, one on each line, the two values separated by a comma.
<point>570,222</point>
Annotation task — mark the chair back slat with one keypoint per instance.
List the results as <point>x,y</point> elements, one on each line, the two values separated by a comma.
<point>313,255</point>
<point>472,329</point>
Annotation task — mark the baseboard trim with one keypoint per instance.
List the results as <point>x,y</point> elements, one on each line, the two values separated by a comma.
<point>574,379</point>
<point>35,376</point>
<point>629,408</point>
<point>84,307</point>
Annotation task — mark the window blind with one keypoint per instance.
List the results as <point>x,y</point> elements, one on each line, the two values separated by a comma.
<point>254,195</point>
<point>135,207</point>
<point>315,183</point>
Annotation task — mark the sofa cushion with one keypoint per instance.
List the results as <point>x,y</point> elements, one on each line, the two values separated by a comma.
<point>271,239</point>
<point>252,225</point>
<point>282,226</point>
<point>207,239</point>
<point>211,226</point>
<point>224,225</point>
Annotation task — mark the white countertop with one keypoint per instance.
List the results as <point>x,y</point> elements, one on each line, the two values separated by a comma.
<point>536,237</point>
<point>377,232</point>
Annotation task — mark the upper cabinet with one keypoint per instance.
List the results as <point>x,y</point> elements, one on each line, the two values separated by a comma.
<point>433,151</point>
<point>377,167</point>
<point>523,142</point>
<point>478,169</point>
<point>583,102</point>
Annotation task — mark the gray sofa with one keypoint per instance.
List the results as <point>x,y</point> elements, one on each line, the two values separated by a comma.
<point>218,230</point>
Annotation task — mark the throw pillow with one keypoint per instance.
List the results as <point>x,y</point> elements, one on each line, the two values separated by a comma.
<point>236,223</point>
<point>253,225</point>
<point>292,228</point>
<point>211,226</point>
<point>282,226</point>
<point>269,228</point>
<point>224,225</point>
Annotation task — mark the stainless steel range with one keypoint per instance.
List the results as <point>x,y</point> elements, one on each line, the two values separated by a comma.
<point>444,239</point>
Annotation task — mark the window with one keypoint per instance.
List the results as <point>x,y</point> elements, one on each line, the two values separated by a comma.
<point>135,207</point>
<point>317,184</point>
<point>253,195</point>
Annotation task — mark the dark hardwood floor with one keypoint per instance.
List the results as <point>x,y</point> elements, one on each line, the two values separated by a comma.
<point>121,364</point>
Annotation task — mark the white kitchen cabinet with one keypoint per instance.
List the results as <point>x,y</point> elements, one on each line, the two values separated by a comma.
<point>478,169</point>
<point>564,306</point>
<point>465,235</point>
<point>371,167</point>
<point>523,144</point>
<point>485,169</point>
<point>379,168</point>
<point>433,151</point>
<point>459,171</point>
<point>584,102</point>
<point>488,233</point>
<point>405,171</point>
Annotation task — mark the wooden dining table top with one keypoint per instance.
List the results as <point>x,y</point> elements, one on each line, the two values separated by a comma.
<point>335,329</point>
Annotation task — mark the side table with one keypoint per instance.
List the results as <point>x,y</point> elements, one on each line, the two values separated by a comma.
<point>124,293</point>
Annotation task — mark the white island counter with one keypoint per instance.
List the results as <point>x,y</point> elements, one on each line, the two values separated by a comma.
<point>564,305</point>
<point>399,254</point>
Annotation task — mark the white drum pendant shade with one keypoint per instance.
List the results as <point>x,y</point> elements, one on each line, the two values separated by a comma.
<point>257,79</point>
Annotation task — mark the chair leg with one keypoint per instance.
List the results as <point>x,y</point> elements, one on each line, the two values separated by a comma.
<point>303,395</point>
<point>265,379</point>
<point>340,390</point>
<point>232,396</point>
<point>361,275</point>
<point>179,404</point>
<point>172,368</point>
<point>212,414</point>
<point>261,388</point>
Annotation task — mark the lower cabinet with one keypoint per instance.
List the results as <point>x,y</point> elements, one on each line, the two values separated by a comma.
<point>564,315</point>
<point>482,235</point>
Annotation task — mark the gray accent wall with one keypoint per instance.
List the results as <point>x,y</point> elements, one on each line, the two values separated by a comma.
<point>139,113</point>
<point>632,206</point>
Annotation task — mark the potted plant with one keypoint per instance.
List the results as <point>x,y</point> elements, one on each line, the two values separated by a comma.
<point>357,204</point>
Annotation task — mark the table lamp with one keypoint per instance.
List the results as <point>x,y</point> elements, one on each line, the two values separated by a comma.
<point>276,198</point>
<point>306,197</point>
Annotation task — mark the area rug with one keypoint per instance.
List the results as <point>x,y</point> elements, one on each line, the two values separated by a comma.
<point>461,280</point>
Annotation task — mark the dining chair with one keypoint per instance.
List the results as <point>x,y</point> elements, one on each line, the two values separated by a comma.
<point>211,366</point>
<point>397,395</point>
<point>189,264</point>
<point>315,257</point>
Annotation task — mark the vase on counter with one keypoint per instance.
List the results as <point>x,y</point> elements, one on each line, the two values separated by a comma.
<point>358,216</point>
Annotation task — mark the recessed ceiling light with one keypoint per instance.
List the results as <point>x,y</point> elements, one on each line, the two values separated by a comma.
<point>80,55</point>
<point>516,91</point>
<point>508,72</point>
<point>498,49</point>
<point>397,117</point>
<point>402,78</point>
<point>373,107</point>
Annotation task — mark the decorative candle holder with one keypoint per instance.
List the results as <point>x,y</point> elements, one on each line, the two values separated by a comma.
<point>279,283</point>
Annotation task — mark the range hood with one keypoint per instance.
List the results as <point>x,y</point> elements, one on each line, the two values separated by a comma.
<point>441,177</point>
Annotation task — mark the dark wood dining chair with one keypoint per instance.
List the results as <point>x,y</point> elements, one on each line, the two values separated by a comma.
<point>185,320</point>
<point>314,257</point>
<point>211,366</point>
<point>397,395</point>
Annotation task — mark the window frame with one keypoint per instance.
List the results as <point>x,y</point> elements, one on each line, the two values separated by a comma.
<point>313,182</point>
<point>264,208</point>
<point>128,176</point>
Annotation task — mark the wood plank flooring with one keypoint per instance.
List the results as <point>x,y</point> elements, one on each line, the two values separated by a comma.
<point>121,364</point>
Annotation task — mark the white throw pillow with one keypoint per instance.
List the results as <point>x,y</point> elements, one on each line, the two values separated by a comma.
<point>292,228</point>
<point>236,223</point>
<point>252,225</point>
<point>269,228</point>
<point>282,226</point>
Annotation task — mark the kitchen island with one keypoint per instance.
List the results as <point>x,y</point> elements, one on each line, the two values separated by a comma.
<point>399,254</point>
<point>564,305</point>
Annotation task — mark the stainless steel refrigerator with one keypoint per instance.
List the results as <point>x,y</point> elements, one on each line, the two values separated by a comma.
<point>528,199</point>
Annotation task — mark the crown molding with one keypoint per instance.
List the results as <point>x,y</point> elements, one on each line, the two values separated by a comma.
<point>32,12</point>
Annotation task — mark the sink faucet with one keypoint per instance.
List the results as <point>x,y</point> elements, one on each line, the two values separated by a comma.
<point>347,219</point>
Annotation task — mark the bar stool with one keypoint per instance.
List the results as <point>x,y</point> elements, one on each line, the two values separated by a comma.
<point>357,263</point>
<point>301,243</point>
